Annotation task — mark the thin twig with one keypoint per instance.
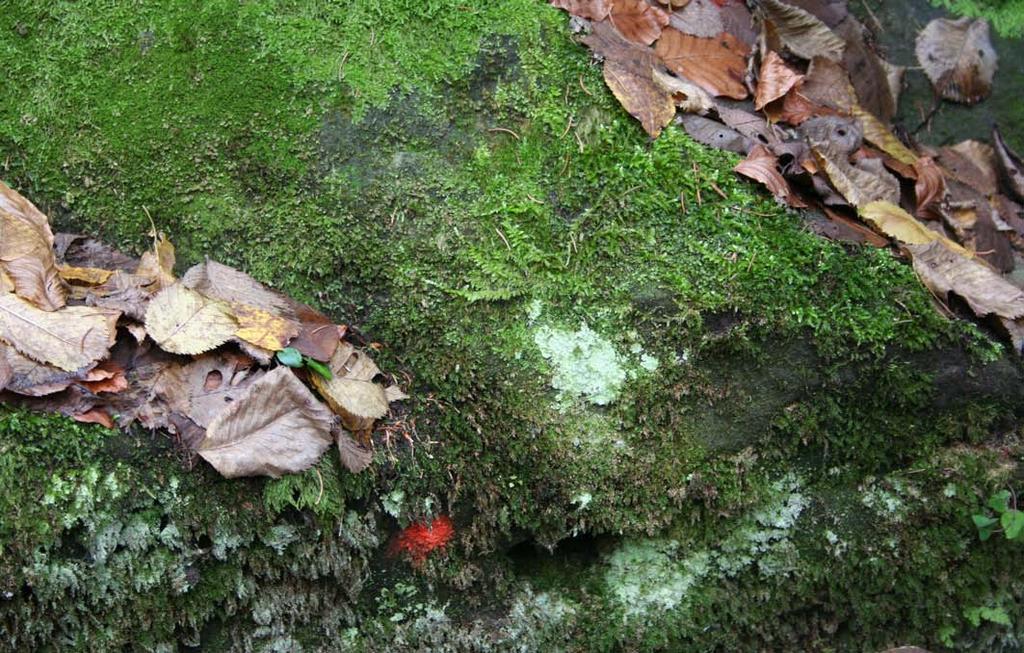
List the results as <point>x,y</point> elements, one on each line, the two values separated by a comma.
<point>507,131</point>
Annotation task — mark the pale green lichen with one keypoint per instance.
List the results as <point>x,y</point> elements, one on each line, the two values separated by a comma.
<point>584,363</point>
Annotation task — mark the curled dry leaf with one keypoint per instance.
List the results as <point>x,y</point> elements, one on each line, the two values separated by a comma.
<point>26,251</point>
<point>716,64</point>
<point>761,165</point>
<point>795,109</point>
<point>157,264</point>
<point>929,187</point>
<point>775,80</point>
<point>958,58</point>
<point>876,133</point>
<point>637,20</point>
<point>94,416</point>
<point>76,250</point>
<point>870,76</point>
<point>634,86</point>
<point>277,427</point>
<point>944,270</point>
<point>182,321</point>
<point>1009,164</point>
<point>71,338</point>
<point>590,9</point>
<point>31,378</point>
<point>801,32</point>
<point>867,181</point>
<point>354,456</point>
<point>6,373</point>
<point>749,124</point>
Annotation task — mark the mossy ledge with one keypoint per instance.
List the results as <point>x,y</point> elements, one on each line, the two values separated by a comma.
<point>777,446</point>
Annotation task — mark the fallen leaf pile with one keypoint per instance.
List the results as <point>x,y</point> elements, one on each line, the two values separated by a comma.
<point>215,357</point>
<point>797,88</point>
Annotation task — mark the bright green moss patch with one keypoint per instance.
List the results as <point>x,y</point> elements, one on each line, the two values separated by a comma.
<point>1007,16</point>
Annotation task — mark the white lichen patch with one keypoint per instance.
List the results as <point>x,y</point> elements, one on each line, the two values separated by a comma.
<point>645,575</point>
<point>889,503</point>
<point>585,364</point>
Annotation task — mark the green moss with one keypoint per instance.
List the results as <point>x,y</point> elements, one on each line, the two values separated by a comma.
<point>1007,16</point>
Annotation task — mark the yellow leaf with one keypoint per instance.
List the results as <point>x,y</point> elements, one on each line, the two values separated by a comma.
<point>158,264</point>
<point>876,133</point>
<point>896,223</point>
<point>70,338</point>
<point>182,321</point>
<point>86,276</point>
<point>263,329</point>
<point>351,392</point>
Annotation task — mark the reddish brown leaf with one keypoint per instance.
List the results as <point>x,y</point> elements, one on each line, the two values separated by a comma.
<point>775,80</point>
<point>761,165</point>
<point>716,64</point>
<point>95,416</point>
<point>637,20</point>
<point>1011,168</point>
<point>794,108</point>
<point>930,187</point>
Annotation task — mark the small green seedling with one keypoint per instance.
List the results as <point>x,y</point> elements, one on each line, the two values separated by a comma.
<point>1010,519</point>
<point>292,357</point>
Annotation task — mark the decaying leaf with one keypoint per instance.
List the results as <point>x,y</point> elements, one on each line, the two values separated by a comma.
<point>213,382</point>
<point>32,378</point>
<point>26,251</point>
<point>590,9</point>
<point>761,165</point>
<point>638,20</point>
<point>84,276</point>
<point>94,416</point>
<point>1010,165</point>
<point>867,181</point>
<point>896,223</point>
<point>688,97</point>
<point>958,58</point>
<point>182,321</point>
<point>973,163</point>
<point>944,270</point>
<point>157,264</point>
<point>633,85</point>
<point>263,329</point>
<point>71,338</point>
<point>715,64</point>
<point>800,32</point>
<point>869,74</point>
<point>879,135</point>
<point>76,250</point>
<point>354,456</point>
<point>277,427</point>
<point>715,134</point>
<point>929,187</point>
<point>828,84</point>
<point>775,80</point>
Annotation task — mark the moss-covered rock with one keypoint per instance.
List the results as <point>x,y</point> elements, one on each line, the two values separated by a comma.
<point>661,414</point>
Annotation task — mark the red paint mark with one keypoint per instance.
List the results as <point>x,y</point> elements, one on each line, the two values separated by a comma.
<point>419,539</point>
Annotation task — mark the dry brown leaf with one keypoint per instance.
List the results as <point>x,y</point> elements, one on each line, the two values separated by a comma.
<point>828,84</point>
<point>715,134</point>
<point>929,187</point>
<point>31,378</point>
<point>82,251</point>
<point>94,416</point>
<point>944,270</point>
<point>6,373</point>
<point>277,427</point>
<point>394,393</point>
<point>973,226</point>
<point>637,20</point>
<point>868,72</point>
<point>775,80</point>
<point>839,137</point>
<point>802,33</point>
<point>688,97</point>
<point>717,64</point>
<point>590,9</point>
<point>107,377</point>
<point>125,292</point>
<point>973,163</point>
<point>761,165</point>
<point>958,58</point>
<point>212,382</point>
<point>71,338</point>
<point>354,456</point>
<point>751,125</point>
<point>633,85</point>
<point>698,18</point>
<point>26,251</point>
<point>84,276</point>
<point>795,109</point>
<point>1010,166</point>
<point>182,321</point>
<point>737,20</point>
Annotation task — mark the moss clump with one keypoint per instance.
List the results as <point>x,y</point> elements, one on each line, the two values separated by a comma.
<point>1007,16</point>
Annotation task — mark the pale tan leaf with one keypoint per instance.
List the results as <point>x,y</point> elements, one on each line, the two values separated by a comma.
<point>6,373</point>
<point>394,393</point>
<point>590,9</point>
<point>944,270</point>
<point>157,264</point>
<point>893,221</point>
<point>958,58</point>
<point>26,251</point>
<point>717,64</point>
<point>351,392</point>
<point>182,321</point>
<point>71,338</point>
<point>801,32</point>
<point>354,456</point>
<point>860,184</point>
<point>32,378</point>
<point>828,84</point>
<point>277,427</point>
<point>211,383</point>
<point>637,20</point>
<point>688,97</point>
<point>775,80</point>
